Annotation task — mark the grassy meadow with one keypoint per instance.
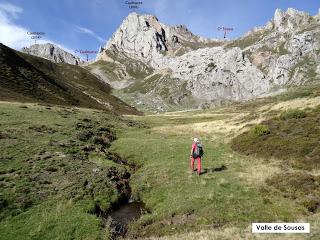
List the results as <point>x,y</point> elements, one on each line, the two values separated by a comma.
<point>63,169</point>
<point>234,190</point>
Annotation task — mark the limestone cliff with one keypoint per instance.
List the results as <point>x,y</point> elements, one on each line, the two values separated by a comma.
<point>53,53</point>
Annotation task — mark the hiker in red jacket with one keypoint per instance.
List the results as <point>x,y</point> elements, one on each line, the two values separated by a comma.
<point>196,154</point>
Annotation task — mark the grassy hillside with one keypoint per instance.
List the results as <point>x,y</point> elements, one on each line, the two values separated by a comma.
<point>137,84</point>
<point>57,174</point>
<point>248,40</point>
<point>26,78</point>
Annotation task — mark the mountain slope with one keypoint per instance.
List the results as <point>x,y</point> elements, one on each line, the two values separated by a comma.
<point>283,53</point>
<point>53,53</point>
<point>26,78</point>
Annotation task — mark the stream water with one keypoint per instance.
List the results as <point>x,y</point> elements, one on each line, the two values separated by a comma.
<point>123,215</point>
<point>128,212</point>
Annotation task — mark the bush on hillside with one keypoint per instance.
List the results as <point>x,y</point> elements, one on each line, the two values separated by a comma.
<point>260,130</point>
<point>292,113</point>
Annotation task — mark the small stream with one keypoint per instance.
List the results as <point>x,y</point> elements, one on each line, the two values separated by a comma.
<point>125,210</point>
<point>125,214</point>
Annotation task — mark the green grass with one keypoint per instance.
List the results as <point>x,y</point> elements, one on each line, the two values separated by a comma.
<point>301,187</point>
<point>108,68</point>
<point>248,40</point>
<point>56,171</point>
<point>312,90</point>
<point>292,113</point>
<point>179,201</point>
<point>55,166</point>
<point>144,85</point>
<point>260,130</point>
<point>53,220</point>
<point>158,91</point>
<point>307,91</point>
<point>282,50</point>
<point>187,46</point>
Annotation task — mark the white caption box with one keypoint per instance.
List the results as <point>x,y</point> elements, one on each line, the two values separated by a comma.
<point>280,227</point>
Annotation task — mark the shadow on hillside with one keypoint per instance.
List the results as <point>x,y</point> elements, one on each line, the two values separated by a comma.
<point>216,169</point>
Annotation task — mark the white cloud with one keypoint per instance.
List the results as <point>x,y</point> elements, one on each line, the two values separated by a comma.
<point>89,32</point>
<point>11,34</point>
<point>16,36</point>
<point>9,9</point>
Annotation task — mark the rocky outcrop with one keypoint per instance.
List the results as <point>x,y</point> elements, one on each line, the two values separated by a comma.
<point>216,73</point>
<point>53,53</point>
<point>288,51</point>
<point>140,37</point>
<point>290,20</point>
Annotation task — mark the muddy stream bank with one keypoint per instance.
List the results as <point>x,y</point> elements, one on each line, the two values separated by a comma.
<point>124,210</point>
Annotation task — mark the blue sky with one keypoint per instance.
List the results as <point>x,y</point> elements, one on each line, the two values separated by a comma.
<point>87,24</point>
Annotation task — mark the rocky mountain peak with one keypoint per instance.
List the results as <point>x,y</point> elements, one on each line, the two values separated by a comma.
<point>183,30</point>
<point>317,16</point>
<point>139,36</point>
<point>53,53</point>
<point>290,20</point>
<point>144,38</point>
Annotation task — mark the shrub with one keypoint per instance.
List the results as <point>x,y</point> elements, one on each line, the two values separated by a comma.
<point>84,135</point>
<point>292,113</point>
<point>260,130</point>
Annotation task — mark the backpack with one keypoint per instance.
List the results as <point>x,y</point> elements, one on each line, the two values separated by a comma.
<point>198,151</point>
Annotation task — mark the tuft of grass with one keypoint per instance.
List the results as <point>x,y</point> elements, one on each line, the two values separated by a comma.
<point>282,50</point>
<point>293,113</point>
<point>260,130</point>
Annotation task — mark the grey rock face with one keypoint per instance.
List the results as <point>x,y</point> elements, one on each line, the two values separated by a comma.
<point>290,20</point>
<point>302,44</point>
<point>215,73</point>
<point>53,53</point>
<point>141,37</point>
<point>289,52</point>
